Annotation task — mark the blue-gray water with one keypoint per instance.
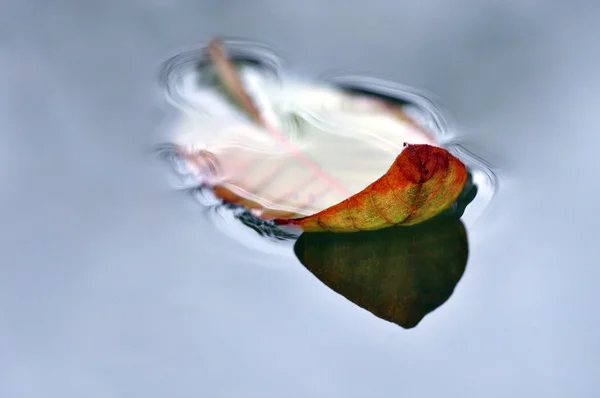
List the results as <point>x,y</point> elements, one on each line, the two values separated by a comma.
<point>114,285</point>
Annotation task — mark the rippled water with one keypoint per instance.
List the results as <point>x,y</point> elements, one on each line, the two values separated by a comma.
<point>185,77</point>
<point>114,283</point>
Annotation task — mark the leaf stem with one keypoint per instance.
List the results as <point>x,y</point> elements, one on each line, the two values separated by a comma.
<point>227,73</point>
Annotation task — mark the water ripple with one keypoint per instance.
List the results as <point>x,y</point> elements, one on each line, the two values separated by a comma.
<point>181,77</point>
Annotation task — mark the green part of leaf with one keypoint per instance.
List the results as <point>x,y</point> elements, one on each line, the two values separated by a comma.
<point>399,274</point>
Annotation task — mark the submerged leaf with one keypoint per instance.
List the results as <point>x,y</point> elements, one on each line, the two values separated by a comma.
<point>422,182</point>
<point>398,274</point>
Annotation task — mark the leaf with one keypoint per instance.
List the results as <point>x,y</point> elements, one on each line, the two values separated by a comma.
<point>398,274</point>
<point>288,148</point>
<point>422,182</point>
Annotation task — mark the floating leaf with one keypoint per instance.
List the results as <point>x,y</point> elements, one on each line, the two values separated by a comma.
<point>280,146</point>
<point>399,274</point>
<point>423,181</point>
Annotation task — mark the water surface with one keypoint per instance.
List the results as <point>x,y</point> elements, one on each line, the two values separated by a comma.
<point>112,284</point>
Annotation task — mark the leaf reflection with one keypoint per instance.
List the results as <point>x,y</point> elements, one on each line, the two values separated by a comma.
<point>399,274</point>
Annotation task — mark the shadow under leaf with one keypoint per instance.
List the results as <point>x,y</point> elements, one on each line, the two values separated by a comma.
<point>399,274</point>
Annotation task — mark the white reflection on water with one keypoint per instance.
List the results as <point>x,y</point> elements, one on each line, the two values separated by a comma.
<point>186,77</point>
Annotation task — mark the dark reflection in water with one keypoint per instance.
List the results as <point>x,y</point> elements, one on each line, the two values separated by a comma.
<point>400,274</point>
<point>467,195</point>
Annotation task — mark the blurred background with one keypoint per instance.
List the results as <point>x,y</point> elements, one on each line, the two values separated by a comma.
<point>112,284</point>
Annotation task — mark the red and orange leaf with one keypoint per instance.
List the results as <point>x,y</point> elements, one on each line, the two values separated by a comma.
<point>422,182</point>
<point>285,149</point>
